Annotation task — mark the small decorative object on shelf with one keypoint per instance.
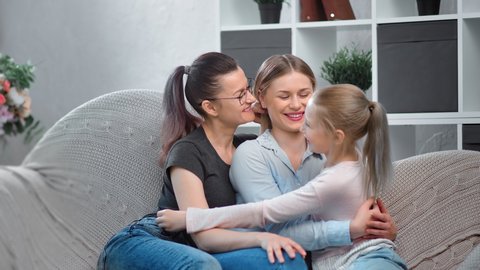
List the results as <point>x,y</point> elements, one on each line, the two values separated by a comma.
<point>312,10</point>
<point>428,7</point>
<point>352,66</point>
<point>270,10</point>
<point>323,10</point>
<point>338,10</point>
<point>15,101</point>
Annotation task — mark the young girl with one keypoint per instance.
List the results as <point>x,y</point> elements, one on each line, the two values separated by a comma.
<point>336,118</point>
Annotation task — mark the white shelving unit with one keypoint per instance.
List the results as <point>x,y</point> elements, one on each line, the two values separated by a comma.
<point>315,42</point>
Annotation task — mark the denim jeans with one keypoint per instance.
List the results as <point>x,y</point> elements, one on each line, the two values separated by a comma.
<point>381,259</point>
<point>143,246</point>
<point>256,258</point>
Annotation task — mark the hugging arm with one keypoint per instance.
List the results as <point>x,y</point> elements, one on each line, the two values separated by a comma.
<point>253,179</point>
<point>315,197</point>
<point>189,193</point>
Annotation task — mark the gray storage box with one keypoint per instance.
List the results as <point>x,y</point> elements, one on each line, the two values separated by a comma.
<point>250,48</point>
<point>471,137</point>
<point>417,67</point>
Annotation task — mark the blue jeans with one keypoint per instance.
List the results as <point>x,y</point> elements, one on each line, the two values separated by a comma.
<point>142,246</point>
<point>256,258</point>
<point>381,259</point>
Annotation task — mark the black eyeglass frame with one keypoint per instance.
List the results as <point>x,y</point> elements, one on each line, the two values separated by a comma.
<point>241,98</point>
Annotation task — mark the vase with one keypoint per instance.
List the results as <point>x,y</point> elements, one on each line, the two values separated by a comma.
<point>270,13</point>
<point>428,7</point>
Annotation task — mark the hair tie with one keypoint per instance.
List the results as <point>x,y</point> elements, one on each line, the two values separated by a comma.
<point>371,106</point>
<point>186,70</point>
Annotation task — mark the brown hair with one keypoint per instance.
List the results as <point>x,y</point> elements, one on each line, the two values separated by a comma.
<point>276,66</point>
<point>201,84</point>
<point>345,107</point>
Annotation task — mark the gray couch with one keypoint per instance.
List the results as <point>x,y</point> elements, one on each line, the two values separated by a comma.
<point>97,169</point>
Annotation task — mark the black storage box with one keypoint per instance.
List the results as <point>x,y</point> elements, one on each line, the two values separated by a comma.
<point>250,48</point>
<point>471,137</point>
<point>417,67</point>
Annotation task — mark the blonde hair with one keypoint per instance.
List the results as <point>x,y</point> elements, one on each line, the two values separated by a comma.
<point>276,66</point>
<point>345,107</point>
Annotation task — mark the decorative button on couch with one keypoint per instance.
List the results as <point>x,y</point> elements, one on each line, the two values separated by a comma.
<point>96,170</point>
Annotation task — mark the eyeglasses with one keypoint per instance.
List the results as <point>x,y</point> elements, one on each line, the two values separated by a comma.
<point>242,97</point>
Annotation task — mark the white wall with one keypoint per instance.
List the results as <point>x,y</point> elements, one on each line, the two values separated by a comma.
<point>86,48</point>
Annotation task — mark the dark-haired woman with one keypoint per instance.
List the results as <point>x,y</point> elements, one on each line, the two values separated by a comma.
<point>196,156</point>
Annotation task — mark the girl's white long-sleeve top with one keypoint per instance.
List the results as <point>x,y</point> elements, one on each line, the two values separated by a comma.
<point>335,194</point>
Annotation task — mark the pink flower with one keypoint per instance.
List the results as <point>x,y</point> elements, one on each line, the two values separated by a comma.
<point>2,99</point>
<point>6,86</point>
<point>5,115</point>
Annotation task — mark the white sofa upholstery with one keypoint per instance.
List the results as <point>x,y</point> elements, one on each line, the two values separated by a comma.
<point>97,169</point>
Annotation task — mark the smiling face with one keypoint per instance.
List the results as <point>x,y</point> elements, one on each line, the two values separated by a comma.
<point>285,100</point>
<point>319,138</point>
<point>234,101</point>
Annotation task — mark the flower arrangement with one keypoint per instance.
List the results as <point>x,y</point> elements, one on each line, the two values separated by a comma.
<point>15,101</point>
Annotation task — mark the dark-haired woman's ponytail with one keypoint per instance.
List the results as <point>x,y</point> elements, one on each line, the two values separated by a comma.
<point>177,121</point>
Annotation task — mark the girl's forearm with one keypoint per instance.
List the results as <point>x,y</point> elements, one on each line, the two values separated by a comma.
<point>237,216</point>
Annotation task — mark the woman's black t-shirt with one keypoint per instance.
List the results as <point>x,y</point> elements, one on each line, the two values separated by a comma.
<point>195,154</point>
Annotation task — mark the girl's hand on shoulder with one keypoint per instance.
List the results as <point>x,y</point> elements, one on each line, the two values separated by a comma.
<point>171,220</point>
<point>274,244</point>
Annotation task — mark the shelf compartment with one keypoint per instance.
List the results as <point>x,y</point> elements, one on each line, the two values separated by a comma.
<point>412,140</point>
<point>471,137</point>
<point>316,45</point>
<point>245,12</point>
<point>408,8</point>
<point>471,6</point>
<point>471,60</point>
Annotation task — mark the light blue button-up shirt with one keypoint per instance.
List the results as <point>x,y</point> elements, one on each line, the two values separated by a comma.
<point>261,170</point>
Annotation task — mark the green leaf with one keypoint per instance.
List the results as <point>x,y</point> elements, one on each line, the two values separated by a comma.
<point>28,121</point>
<point>19,127</point>
<point>8,128</point>
<point>20,76</point>
<point>349,66</point>
<point>33,133</point>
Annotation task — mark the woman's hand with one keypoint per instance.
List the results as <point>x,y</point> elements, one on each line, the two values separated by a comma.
<point>358,225</point>
<point>258,111</point>
<point>381,225</point>
<point>274,244</point>
<point>372,220</point>
<point>171,220</point>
